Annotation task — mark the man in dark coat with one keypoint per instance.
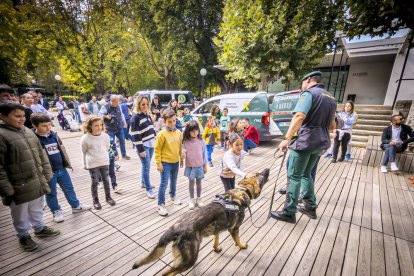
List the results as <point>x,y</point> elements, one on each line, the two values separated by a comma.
<point>394,140</point>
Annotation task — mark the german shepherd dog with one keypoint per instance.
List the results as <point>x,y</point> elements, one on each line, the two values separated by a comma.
<point>212,219</point>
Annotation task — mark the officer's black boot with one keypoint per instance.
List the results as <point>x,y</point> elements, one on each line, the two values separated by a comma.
<point>307,210</point>
<point>279,215</point>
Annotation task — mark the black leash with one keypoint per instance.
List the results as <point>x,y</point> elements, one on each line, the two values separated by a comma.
<point>274,189</point>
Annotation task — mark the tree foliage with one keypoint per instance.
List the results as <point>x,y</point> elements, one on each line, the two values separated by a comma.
<point>179,37</point>
<point>264,40</point>
<point>371,17</point>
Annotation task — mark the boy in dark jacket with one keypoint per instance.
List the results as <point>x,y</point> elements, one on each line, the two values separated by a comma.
<point>24,173</point>
<point>395,139</point>
<point>59,161</point>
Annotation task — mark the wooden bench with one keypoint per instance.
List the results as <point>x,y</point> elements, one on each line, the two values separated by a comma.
<point>374,155</point>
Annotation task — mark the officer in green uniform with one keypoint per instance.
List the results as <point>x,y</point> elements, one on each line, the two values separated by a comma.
<point>314,116</point>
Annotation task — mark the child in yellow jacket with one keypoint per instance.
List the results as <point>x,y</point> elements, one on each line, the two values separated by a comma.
<point>168,154</point>
<point>211,135</point>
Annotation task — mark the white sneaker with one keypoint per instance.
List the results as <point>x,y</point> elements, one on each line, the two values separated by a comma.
<point>162,211</point>
<point>199,202</point>
<point>117,190</point>
<point>384,169</point>
<point>175,200</point>
<point>81,208</point>
<point>150,195</point>
<point>192,204</point>
<point>394,167</point>
<point>58,216</point>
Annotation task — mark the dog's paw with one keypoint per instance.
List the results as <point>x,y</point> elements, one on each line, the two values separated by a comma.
<point>242,245</point>
<point>217,249</point>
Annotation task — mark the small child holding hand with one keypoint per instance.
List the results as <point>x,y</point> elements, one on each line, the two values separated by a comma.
<point>95,146</point>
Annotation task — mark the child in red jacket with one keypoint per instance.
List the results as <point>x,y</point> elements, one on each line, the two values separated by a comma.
<point>251,136</point>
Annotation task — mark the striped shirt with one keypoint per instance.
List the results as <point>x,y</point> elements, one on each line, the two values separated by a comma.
<point>142,130</point>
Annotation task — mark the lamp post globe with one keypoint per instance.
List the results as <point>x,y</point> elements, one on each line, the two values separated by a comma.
<point>203,72</point>
<point>58,78</point>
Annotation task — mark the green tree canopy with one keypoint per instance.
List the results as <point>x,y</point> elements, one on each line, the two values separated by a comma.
<point>263,40</point>
<point>372,17</point>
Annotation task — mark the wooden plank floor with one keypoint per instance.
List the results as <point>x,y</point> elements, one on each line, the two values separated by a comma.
<point>365,226</point>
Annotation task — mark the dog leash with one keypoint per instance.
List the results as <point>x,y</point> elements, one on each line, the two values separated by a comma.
<point>274,189</point>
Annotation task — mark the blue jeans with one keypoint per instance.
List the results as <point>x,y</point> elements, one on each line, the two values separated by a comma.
<point>390,151</point>
<point>112,174</point>
<point>121,138</point>
<point>77,115</point>
<point>248,144</point>
<point>62,177</point>
<point>146,162</point>
<point>170,171</point>
<point>210,149</point>
<point>126,130</point>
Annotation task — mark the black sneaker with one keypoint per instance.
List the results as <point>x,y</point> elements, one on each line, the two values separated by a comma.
<point>126,157</point>
<point>110,201</point>
<point>340,159</point>
<point>47,232</point>
<point>333,161</point>
<point>282,191</point>
<point>310,212</point>
<point>27,243</point>
<point>280,216</point>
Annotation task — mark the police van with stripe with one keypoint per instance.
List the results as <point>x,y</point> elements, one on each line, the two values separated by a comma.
<point>269,113</point>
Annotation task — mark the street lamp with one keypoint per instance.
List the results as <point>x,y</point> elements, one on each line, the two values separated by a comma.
<point>203,72</point>
<point>58,78</point>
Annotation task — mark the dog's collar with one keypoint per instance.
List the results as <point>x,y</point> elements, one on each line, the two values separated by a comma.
<point>247,192</point>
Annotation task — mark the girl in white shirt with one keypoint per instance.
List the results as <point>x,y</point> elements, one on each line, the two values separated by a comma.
<point>231,164</point>
<point>95,145</point>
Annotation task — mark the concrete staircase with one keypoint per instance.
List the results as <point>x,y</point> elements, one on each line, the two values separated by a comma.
<point>372,119</point>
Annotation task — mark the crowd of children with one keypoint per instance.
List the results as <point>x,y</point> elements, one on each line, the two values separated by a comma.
<point>171,135</point>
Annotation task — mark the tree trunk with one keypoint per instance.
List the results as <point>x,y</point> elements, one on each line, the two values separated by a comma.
<point>167,78</point>
<point>264,82</point>
<point>100,87</point>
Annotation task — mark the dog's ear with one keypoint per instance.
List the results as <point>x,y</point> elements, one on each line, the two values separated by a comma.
<point>256,186</point>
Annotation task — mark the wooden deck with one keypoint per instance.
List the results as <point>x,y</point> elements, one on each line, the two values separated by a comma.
<point>365,226</point>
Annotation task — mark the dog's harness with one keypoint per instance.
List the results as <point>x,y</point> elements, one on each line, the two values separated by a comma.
<point>231,207</point>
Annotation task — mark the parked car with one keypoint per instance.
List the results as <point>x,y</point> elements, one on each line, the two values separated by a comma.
<point>165,96</point>
<point>254,106</point>
<point>269,113</point>
<point>282,107</point>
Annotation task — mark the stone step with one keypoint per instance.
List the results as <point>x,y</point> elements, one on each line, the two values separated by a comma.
<point>367,107</point>
<point>374,117</point>
<point>373,122</point>
<point>362,132</point>
<point>374,112</point>
<point>359,138</point>
<point>358,144</point>
<point>379,127</point>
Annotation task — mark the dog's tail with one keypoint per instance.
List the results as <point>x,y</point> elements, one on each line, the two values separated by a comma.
<point>157,251</point>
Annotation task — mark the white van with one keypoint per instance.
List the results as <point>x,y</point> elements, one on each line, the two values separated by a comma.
<point>165,96</point>
<point>255,106</point>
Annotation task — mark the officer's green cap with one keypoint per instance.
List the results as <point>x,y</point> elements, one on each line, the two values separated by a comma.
<point>312,74</point>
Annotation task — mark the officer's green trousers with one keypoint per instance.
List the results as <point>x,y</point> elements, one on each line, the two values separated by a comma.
<point>299,173</point>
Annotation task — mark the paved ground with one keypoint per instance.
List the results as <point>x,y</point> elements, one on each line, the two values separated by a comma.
<point>365,226</point>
